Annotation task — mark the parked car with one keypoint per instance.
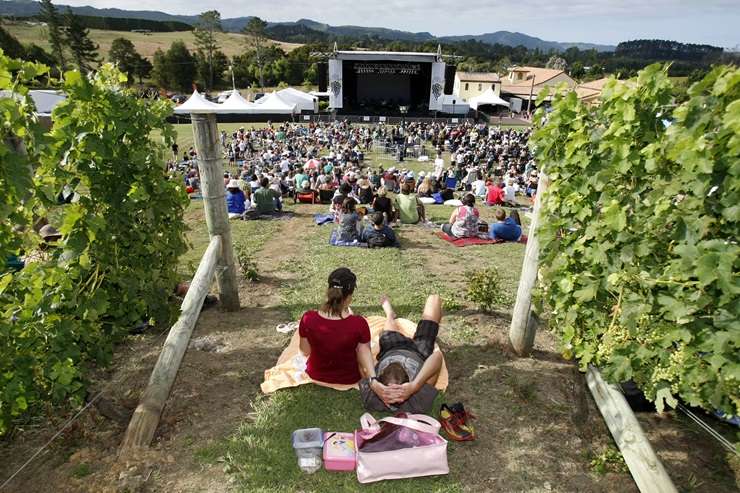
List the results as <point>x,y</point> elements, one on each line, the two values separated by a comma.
<point>178,98</point>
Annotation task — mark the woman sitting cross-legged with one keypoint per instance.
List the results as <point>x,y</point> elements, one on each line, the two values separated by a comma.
<point>333,338</point>
<point>348,221</point>
<point>407,367</point>
<point>464,220</point>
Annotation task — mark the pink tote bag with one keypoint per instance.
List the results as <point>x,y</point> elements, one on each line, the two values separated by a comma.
<point>405,446</point>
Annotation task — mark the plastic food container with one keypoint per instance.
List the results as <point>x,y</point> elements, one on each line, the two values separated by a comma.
<point>308,444</point>
<point>339,451</point>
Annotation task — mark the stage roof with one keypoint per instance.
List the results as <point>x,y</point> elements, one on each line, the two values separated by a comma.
<point>395,56</point>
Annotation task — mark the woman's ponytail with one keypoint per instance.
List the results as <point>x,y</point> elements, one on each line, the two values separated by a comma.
<point>342,284</point>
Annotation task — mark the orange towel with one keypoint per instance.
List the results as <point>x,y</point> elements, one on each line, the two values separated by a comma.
<point>289,371</point>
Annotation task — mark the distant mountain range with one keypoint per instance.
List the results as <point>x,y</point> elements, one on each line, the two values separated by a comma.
<point>27,8</point>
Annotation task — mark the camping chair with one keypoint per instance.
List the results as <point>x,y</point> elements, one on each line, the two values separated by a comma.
<point>325,196</point>
<point>305,197</point>
<point>451,183</point>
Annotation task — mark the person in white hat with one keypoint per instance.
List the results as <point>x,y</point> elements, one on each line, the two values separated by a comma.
<point>236,200</point>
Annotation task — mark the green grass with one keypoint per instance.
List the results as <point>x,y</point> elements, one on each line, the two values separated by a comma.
<point>261,457</point>
<point>395,272</point>
<point>251,234</point>
<point>81,470</point>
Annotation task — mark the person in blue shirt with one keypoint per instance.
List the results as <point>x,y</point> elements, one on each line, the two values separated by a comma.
<point>236,201</point>
<point>378,234</point>
<point>505,228</point>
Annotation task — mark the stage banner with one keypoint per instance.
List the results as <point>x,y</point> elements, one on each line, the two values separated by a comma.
<point>438,86</point>
<point>335,84</point>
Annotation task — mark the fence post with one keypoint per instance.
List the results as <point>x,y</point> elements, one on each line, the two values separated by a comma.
<point>205,133</point>
<point>644,465</point>
<point>523,330</point>
<point>145,419</point>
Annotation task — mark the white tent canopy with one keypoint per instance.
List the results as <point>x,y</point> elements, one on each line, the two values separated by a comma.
<point>302,100</point>
<point>197,104</point>
<point>44,100</point>
<point>488,97</point>
<point>273,103</point>
<point>235,103</point>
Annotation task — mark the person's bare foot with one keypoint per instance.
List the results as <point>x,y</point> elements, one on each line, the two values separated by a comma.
<point>385,303</point>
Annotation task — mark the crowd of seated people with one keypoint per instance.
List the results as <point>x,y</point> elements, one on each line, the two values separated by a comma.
<point>324,163</point>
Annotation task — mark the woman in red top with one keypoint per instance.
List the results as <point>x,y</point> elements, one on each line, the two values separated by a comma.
<point>333,338</point>
<point>495,195</point>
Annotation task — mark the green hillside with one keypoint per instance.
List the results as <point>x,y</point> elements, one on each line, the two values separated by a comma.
<point>146,44</point>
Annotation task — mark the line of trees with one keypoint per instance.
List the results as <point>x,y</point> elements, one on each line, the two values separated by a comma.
<point>261,64</point>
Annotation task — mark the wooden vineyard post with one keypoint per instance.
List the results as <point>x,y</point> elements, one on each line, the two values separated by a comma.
<point>205,132</point>
<point>145,419</point>
<point>523,324</point>
<point>644,465</point>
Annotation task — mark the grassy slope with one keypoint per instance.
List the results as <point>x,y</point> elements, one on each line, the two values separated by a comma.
<point>259,452</point>
<point>146,44</point>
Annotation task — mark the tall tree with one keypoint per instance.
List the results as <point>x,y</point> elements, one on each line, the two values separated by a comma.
<point>50,15</point>
<point>257,42</point>
<point>174,69</point>
<point>209,23</point>
<point>123,53</point>
<point>84,51</point>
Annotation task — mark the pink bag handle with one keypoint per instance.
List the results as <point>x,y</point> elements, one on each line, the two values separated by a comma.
<point>368,422</point>
<point>418,422</point>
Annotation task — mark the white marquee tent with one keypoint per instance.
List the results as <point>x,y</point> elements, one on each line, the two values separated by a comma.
<point>275,103</point>
<point>198,104</point>
<point>44,100</point>
<point>235,104</point>
<point>303,100</point>
<point>488,97</point>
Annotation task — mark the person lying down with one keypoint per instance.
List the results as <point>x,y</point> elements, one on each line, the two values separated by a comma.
<point>336,344</point>
<point>407,367</point>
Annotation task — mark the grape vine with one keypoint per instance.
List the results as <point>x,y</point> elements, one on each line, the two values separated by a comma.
<point>639,241</point>
<point>114,266</point>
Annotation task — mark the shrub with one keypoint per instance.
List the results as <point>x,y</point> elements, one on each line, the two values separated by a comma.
<point>246,262</point>
<point>485,288</point>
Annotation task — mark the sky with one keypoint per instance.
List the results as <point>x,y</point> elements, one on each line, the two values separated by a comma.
<point>715,22</point>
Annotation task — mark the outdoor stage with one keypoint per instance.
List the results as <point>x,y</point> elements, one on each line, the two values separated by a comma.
<point>386,83</point>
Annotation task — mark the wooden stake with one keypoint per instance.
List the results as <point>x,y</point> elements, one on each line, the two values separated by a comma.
<point>522,330</point>
<point>644,465</point>
<point>145,419</point>
<point>205,132</point>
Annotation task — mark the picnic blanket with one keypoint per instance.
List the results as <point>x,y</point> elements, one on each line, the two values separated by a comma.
<point>461,242</point>
<point>290,369</point>
<point>321,219</point>
<point>333,241</point>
